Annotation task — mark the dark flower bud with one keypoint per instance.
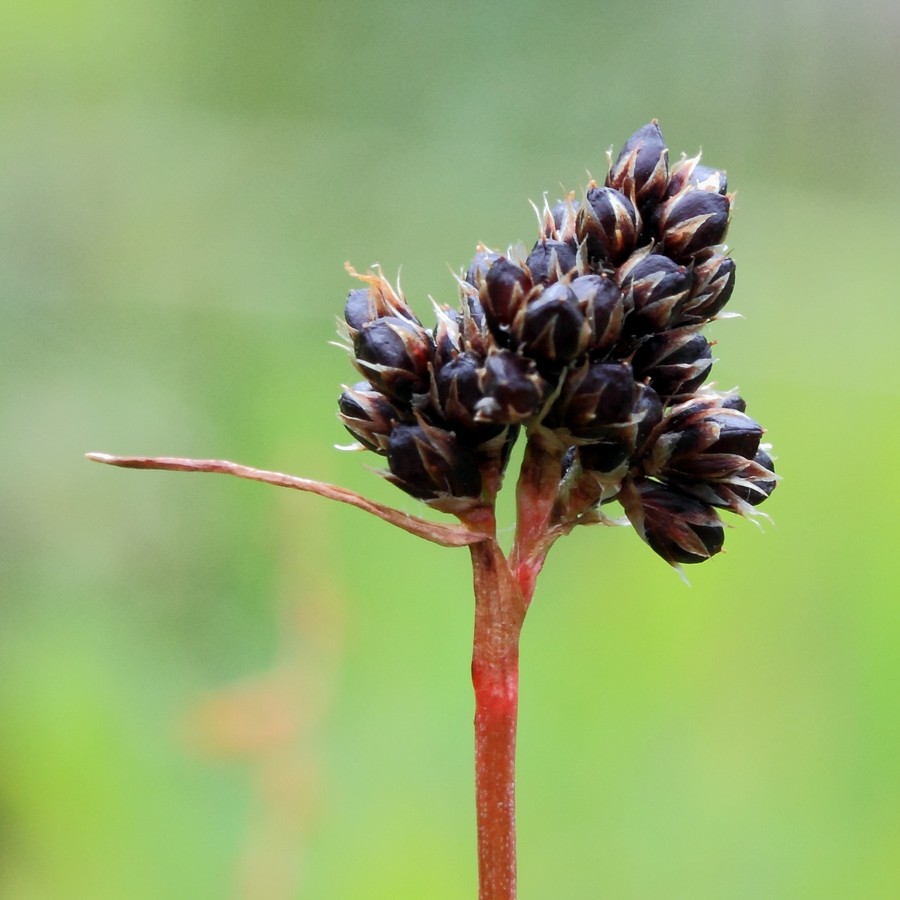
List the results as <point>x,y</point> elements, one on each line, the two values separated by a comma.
<point>733,401</point>
<point>503,294</point>
<point>550,260</point>
<point>394,354</point>
<point>604,457</point>
<point>739,490</point>
<point>688,173</point>
<point>564,215</point>
<point>656,288</point>
<point>513,389</point>
<point>691,221</point>
<point>705,178</point>
<point>679,528</point>
<point>357,310</point>
<point>757,481</point>
<point>713,285</point>
<point>480,265</point>
<point>457,391</point>
<point>447,336</point>
<point>609,223</point>
<point>706,443</point>
<point>595,396</point>
<point>552,327</point>
<point>641,170</point>
<point>604,309</point>
<point>676,362</point>
<point>647,414</point>
<point>430,463</point>
<point>368,415</point>
<point>378,300</point>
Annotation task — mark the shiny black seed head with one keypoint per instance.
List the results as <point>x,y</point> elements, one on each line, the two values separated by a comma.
<point>393,354</point>
<point>675,362</point>
<point>552,328</point>
<point>549,260</point>
<point>430,463</point>
<point>513,389</point>
<point>692,221</point>
<point>641,170</point>
<point>678,527</point>
<point>610,225</point>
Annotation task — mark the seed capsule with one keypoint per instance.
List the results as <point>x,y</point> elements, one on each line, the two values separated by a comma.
<point>480,265</point>
<point>503,295</point>
<point>457,391</point>
<point>688,173</point>
<point>706,443</point>
<point>641,170</point>
<point>712,288</point>
<point>679,528</point>
<point>549,260</point>
<point>368,415</point>
<point>513,389</point>
<point>656,288</point>
<point>430,463</point>
<point>604,309</point>
<point>552,327</point>
<point>595,396</point>
<point>676,362</point>
<point>394,354</point>
<point>609,223</point>
<point>691,221</point>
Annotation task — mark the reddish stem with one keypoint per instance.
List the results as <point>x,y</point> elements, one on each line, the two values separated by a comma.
<point>499,613</point>
<point>536,494</point>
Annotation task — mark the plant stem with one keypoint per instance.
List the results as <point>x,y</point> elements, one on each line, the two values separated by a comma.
<point>536,493</point>
<point>499,613</point>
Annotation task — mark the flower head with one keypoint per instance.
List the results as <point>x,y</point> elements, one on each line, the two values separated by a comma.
<point>593,340</point>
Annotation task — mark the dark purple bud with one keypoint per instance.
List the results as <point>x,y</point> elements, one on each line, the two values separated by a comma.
<point>394,354</point>
<point>480,265</point>
<point>713,285</point>
<point>446,335</point>
<point>609,223</point>
<point>604,308</point>
<point>691,221</point>
<point>676,362</point>
<point>759,480</point>
<point>367,415</point>
<point>641,170</point>
<point>457,390</point>
<point>688,173</point>
<point>564,215</point>
<point>706,443</point>
<point>513,389</point>
<point>603,456</point>
<point>503,295</point>
<point>594,397</point>
<point>647,414</point>
<point>733,401</point>
<point>705,178</point>
<point>357,310</point>
<point>656,288</point>
<point>550,260</point>
<point>679,528</point>
<point>553,328</point>
<point>430,463</point>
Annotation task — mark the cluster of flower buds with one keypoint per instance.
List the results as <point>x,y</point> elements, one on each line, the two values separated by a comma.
<point>594,336</point>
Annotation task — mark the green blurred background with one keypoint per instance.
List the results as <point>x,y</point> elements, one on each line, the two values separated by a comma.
<point>213,689</point>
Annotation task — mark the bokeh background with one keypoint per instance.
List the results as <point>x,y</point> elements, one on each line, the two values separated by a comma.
<point>214,689</point>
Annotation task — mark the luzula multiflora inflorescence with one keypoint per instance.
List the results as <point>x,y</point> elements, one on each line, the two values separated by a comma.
<point>591,348</point>
<point>594,341</point>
